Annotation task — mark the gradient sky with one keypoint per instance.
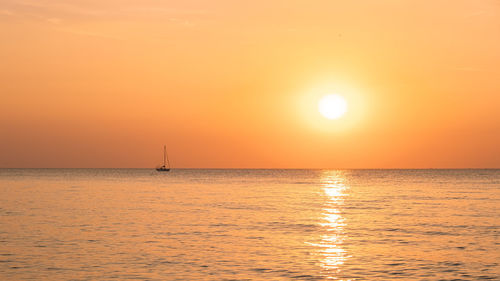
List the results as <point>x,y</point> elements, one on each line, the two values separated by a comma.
<point>235,85</point>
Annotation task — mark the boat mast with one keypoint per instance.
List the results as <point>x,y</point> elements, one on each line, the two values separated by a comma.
<point>168,162</point>
<point>164,154</point>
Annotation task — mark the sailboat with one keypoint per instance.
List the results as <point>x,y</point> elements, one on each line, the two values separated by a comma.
<point>166,165</point>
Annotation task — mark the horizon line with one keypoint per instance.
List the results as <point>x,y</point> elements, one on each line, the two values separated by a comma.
<point>197,168</point>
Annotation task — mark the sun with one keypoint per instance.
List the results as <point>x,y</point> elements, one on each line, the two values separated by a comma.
<point>332,106</point>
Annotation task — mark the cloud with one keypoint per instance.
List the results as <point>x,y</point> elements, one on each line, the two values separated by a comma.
<point>167,11</point>
<point>59,9</point>
<point>476,14</point>
<point>74,16</point>
<point>89,33</point>
<point>469,69</point>
<point>65,9</point>
<point>6,12</point>
<point>54,20</point>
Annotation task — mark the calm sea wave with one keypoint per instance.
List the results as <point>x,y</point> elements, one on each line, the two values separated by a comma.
<point>103,224</point>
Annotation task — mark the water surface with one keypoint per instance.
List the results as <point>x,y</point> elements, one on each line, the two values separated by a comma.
<point>88,224</point>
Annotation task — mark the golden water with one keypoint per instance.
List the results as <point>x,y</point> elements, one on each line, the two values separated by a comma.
<point>102,224</point>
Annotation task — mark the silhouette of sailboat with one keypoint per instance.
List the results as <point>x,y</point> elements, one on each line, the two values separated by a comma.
<point>166,164</point>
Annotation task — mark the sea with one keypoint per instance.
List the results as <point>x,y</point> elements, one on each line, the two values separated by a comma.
<point>194,224</point>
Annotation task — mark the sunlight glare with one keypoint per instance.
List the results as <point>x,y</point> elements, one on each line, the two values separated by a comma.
<point>332,106</point>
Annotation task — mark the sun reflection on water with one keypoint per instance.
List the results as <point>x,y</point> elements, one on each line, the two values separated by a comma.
<point>331,244</point>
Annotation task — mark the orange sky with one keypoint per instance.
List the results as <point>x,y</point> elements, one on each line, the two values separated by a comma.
<point>230,85</point>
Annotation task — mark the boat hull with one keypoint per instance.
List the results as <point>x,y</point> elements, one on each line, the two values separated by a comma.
<point>163,170</point>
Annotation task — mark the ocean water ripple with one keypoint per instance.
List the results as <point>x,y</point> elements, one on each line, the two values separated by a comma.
<point>126,224</point>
